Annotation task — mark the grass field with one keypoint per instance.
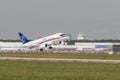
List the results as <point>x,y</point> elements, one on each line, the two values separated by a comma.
<point>62,55</point>
<point>34,70</point>
<point>31,70</point>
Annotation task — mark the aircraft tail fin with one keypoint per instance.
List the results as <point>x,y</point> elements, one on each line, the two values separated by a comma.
<point>23,38</point>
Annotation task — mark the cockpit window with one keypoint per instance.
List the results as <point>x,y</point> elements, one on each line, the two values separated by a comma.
<point>62,34</point>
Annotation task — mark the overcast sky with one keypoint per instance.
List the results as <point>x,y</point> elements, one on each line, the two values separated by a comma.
<point>97,19</point>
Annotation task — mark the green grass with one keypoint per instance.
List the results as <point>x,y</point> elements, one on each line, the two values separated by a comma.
<point>62,55</point>
<point>31,70</point>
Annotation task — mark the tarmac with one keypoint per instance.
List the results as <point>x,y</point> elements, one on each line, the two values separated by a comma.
<point>60,60</point>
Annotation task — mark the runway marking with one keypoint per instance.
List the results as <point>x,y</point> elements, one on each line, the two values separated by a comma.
<point>60,60</point>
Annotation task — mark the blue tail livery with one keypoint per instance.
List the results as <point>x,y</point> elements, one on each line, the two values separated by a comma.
<point>23,38</point>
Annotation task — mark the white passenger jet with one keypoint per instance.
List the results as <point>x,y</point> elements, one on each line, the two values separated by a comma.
<point>45,42</point>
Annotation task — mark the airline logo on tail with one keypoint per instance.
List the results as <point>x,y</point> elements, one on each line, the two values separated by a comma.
<point>23,38</point>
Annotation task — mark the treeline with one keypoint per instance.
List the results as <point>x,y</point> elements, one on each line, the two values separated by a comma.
<point>3,40</point>
<point>9,40</point>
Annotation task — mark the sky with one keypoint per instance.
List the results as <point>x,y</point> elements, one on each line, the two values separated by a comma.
<point>97,19</point>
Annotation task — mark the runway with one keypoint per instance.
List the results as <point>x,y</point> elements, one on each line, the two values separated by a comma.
<point>60,60</point>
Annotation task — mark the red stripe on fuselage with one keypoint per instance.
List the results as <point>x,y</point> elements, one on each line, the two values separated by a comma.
<point>50,39</point>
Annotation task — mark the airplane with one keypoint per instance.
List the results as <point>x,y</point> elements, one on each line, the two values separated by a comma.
<point>44,42</point>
